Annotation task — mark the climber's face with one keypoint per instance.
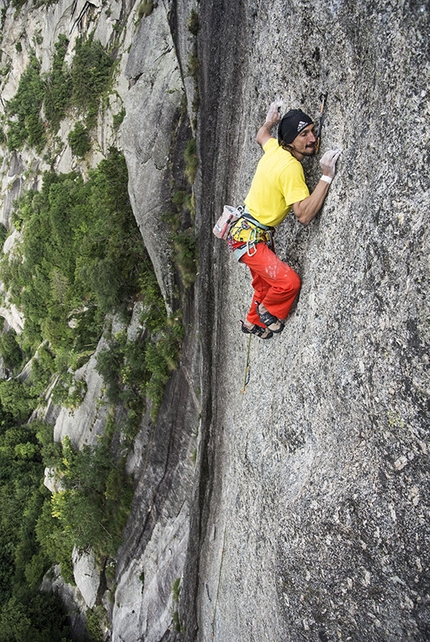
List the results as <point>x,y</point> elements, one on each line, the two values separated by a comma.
<point>304,143</point>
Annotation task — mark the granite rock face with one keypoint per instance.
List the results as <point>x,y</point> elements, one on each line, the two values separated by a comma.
<point>315,522</point>
<point>153,107</point>
<point>297,510</point>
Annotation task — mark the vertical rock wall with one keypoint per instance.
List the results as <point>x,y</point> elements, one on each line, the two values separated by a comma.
<point>305,515</point>
<point>153,107</point>
<point>314,496</point>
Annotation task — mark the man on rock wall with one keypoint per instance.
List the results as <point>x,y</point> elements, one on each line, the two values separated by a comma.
<point>277,188</point>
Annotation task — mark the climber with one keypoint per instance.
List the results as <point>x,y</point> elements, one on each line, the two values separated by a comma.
<point>277,187</point>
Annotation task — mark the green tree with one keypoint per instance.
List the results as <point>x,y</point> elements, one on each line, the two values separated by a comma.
<point>79,140</point>
<point>55,542</point>
<point>10,350</point>
<point>90,73</point>
<point>16,397</point>
<point>15,625</point>
<point>24,110</point>
<point>58,87</point>
<point>39,619</point>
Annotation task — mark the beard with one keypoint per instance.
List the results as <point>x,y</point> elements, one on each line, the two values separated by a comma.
<point>309,150</point>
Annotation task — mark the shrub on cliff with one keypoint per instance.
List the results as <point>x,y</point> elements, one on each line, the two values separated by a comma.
<point>24,124</point>
<point>90,73</point>
<point>58,86</point>
<point>79,140</point>
<point>81,86</point>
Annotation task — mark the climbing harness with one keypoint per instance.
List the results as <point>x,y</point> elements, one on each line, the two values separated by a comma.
<point>247,366</point>
<point>242,231</point>
<point>323,98</point>
<point>246,232</point>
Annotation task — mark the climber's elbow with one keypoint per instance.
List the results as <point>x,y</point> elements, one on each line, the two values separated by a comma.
<point>263,135</point>
<point>303,212</point>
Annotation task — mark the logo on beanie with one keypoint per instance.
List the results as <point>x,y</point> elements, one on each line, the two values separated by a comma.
<point>302,124</point>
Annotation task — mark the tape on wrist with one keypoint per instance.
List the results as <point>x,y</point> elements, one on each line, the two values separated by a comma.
<point>326,179</point>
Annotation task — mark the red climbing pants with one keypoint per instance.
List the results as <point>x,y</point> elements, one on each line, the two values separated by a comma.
<point>275,283</point>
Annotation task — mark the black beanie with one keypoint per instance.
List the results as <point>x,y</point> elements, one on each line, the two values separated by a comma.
<point>291,125</point>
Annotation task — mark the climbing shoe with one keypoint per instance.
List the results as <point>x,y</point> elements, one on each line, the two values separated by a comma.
<point>263,333</point>
<point>270,320</point>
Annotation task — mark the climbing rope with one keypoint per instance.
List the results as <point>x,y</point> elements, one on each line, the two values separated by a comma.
<point>247,366</point>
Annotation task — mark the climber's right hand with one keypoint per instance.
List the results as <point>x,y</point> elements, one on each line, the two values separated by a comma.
<point>328,162</point>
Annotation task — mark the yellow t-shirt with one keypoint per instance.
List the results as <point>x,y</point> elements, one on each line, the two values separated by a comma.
<point>279,182</point>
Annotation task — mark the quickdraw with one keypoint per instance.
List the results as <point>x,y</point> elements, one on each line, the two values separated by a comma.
<point>323,98</point>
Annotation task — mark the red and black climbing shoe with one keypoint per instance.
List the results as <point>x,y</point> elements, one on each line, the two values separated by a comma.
<point>263,333</point>
<point>270,321</point>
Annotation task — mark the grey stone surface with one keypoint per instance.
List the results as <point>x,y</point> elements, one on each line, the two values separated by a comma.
<point>298,510</point>
<point>85,424</point>
<point>87,576</point>
<point>153,108</point>
<point>151,560</point>
<point>317,519</point>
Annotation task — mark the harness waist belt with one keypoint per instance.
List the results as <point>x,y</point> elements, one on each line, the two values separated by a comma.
<point>248,231</point>
<point>246,214</point>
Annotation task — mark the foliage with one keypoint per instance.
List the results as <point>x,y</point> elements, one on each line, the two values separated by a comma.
<point>123,370</point>
<point>90,73</point>
<point>55,543</point>
<point>79,140</point>
<point>118,118</point>
<point>191,160</point>
<point>184,243</point>
<point>80,86</point>
<point>3,230</point>
<point>92,503</point>
<point>135,370</point>
<point>193,22</point>
<point>160,359</point>
<point>95,498</point>
<point>24,124</point>
<point>58,86</point>
<point>145,9</point>
<point>17,398</point>
<point>95,619</point>
<point>181,218</point>
<point>193,67</point>
<point>80,257</point>
<point>10,350</point>
<point>25,613</point>
<point>176,589</point>
<point>40,618</point>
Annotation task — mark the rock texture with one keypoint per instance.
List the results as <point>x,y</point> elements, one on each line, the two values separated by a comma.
<point>153,106</point>
<point>85,424</point>
<point>315,519</point>
<point>298,510</point>
<point>151,561</point>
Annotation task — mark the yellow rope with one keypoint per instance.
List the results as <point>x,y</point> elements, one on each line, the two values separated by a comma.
<point>247,366</point>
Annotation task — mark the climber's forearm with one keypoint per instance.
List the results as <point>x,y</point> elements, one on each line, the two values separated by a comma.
<point>307,209</point>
